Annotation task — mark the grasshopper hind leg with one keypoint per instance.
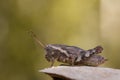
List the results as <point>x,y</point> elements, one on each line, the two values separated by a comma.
<point>64,64</point>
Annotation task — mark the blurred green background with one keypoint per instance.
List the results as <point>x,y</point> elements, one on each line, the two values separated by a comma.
<point>82,23</point>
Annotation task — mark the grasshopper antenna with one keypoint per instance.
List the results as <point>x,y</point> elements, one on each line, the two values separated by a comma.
<point>36,39</point>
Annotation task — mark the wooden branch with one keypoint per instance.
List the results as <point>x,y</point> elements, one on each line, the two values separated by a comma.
<point>82,73</point>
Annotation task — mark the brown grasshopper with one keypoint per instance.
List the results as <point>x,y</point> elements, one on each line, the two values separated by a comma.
<point>71,55</point>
